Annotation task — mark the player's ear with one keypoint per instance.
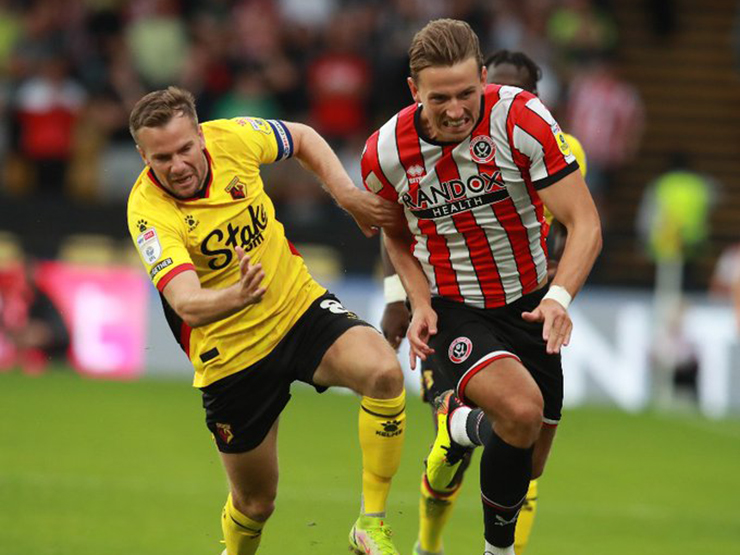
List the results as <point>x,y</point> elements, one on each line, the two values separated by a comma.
<point>484,76</point>
<point>143,156</point>
<point>201,137</point>
<point>414,90</point>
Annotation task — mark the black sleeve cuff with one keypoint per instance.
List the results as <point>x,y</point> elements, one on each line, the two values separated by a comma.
<point>554,178</point>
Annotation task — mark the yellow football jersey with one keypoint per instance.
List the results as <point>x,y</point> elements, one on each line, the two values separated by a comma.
<point>200,233</point>
<point>574,145</point>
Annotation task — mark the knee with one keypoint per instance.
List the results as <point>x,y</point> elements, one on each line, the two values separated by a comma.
<point>386,380</point>
<point>523,422</point>
<point>256,507</point>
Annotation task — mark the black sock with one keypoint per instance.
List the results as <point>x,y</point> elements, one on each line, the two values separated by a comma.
<point>478,427</point>
<point>505,472</point>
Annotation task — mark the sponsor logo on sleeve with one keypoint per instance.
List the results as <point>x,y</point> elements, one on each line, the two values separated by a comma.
<point>159,267</point>
<point>258,124</point>
<point>373,183</point>
<point>560,138</point>
<point>149,245</point>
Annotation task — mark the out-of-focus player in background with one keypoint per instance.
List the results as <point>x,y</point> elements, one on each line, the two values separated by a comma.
<point>515,69</point>
<point>473,164</point>
<point>242,305</point>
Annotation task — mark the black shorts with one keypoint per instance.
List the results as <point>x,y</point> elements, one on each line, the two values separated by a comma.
<point>241,408</point>
<point>468,339</point>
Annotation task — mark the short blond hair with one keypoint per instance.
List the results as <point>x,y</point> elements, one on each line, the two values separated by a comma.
<point>443,42</point>
<point>157,108</point>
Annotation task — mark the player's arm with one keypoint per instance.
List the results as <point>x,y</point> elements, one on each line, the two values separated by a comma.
<point>398,241</point>
<point>199,306</point>
<point>314,153</point>
<point>570,202</point>
<point>395,320</point>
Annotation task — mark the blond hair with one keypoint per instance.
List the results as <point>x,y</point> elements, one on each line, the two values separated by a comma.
<point>157,108</point>
<point>443,42</point>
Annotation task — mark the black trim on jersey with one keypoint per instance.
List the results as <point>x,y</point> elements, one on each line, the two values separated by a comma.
<point>554,178</point>
<point>174,321</point>
<point>209,355</point>
<point>423,136</point>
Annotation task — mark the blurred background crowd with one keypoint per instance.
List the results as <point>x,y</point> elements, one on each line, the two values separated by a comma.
<point>650,87</point>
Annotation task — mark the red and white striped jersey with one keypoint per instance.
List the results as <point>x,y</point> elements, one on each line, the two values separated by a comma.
<point>473,206</point>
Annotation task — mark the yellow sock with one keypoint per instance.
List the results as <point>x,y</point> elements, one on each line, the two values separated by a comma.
<point>434,511</point>
<point>526,519</point>
<point>241,533</point>
<point>382,428</point>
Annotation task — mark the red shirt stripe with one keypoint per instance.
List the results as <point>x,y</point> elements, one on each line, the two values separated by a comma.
<point>409,152</point>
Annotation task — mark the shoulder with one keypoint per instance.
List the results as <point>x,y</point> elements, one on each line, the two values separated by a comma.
<point>147,198</point>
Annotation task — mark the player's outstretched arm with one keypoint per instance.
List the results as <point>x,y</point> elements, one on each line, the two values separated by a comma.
<point>369,211</point>
<point>570,202</point>
<point>397,240</point>
<point>198,306</point>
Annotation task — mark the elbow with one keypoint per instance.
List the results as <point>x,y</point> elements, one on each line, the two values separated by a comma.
<point>190,319</point>
<point>595,240</point>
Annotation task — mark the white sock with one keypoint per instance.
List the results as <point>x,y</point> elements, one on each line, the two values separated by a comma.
<point>493,550</point>
<point>458,429</point>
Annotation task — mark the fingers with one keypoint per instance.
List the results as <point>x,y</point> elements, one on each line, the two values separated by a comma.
<point>250,283</point>
<point>239,253</point>
<point>367,230</point>
<point>556,332</point>
<point>535,316</point>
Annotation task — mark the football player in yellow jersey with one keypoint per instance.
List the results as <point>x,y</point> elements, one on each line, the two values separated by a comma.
<point>435,507</point>
<point>243,306</point>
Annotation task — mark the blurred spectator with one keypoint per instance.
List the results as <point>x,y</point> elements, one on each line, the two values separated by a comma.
<point>32,331</point>
<point>46,107</point>
<point>339,80</point>
<point>607,115</point>
<point>158,40</point>
<point>579,29</point>
<point>673,218</point>
<point>250,95</point>
<point>675,356</point>
<point>725,281</point>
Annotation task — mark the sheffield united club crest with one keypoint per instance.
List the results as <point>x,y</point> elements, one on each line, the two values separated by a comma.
<point>482,149</point>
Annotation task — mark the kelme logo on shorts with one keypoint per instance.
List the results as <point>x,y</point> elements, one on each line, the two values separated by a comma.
<point>460,350</point>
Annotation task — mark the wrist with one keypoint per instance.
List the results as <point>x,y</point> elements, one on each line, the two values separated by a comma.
<point>393,290</point>
<point>560,295</point>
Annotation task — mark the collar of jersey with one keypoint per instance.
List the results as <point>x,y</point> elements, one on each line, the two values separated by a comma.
<point>423,135</point>
<point>202,193</point>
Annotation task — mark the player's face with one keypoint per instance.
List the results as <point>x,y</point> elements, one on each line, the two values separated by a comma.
<point>451,97</point>
<point>176,154</point>
<point>509,74</point>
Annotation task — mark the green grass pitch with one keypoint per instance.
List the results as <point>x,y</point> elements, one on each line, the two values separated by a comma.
<point>104,468</point>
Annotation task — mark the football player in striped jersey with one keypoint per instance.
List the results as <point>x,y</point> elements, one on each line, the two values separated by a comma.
<point>474,165</point>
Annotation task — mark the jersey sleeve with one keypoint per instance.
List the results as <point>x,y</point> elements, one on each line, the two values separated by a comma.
<point>373,177</point>
<point>266,140</point>
<point>160,243</point>
<point>535,135</point>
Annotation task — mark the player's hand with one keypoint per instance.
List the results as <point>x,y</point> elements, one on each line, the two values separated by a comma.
<point>395,323</point>
<point>556,324</point>
<point>249,288</point>
<point>370,211</point>
<point>423,326</point>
